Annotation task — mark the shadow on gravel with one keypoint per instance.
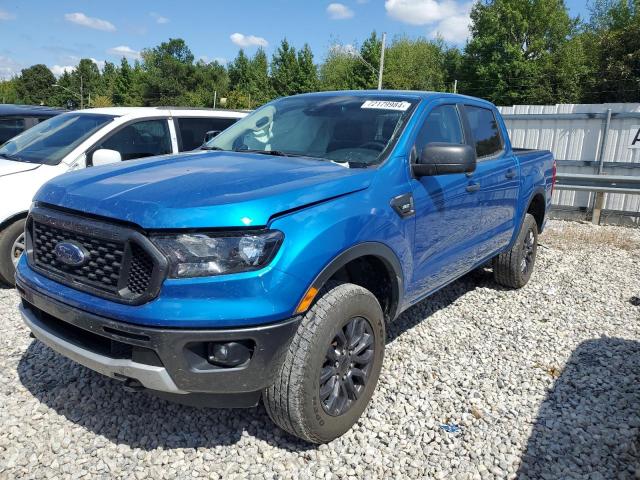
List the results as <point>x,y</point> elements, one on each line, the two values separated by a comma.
<point>420,312</point>
<point>589,424</point>
<point>101,405</point>
<point>139,420</point>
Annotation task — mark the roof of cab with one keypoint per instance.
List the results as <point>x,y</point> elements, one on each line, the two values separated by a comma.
<point>409,94</point>
<point>8,109</point>
<point>137,112</point>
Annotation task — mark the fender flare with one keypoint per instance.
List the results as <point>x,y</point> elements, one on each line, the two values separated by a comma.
<point>373,249</point>
<point>13,218</point>
<point>538,190</point>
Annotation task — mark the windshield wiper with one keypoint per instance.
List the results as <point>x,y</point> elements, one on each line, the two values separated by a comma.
<point>352,164</point>
<point>275,153</point>
<point>9,157</point>
<point>206,147</point>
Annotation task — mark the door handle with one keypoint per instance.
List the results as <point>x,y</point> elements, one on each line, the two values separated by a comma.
<point>511,173</point>
<point>473,187</point>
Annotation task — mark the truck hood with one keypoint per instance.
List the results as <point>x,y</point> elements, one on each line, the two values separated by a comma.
<point>203,190</point>
<point>8,167</point>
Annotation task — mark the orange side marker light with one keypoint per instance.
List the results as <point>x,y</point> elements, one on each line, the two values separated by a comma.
<point>305,303</point>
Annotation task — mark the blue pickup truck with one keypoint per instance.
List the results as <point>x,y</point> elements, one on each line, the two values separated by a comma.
<point>268,264</point>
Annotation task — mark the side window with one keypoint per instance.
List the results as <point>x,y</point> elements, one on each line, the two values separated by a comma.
<point>141,139</point>
<point>442,126</point>
<point>194,130</point>
<point>484,129</point>
<point>10,127</point>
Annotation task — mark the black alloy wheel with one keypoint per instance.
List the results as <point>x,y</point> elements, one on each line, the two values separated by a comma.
<point>344,374</point>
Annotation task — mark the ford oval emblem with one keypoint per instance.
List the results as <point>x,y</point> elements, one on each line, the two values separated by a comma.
<point>70,253</point>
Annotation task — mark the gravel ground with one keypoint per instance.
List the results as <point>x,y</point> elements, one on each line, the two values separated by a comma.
<point>537,383</point>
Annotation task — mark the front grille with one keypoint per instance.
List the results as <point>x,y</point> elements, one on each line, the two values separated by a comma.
<point>120,263</point>
<point>101,271</point>
<point>140,270</point>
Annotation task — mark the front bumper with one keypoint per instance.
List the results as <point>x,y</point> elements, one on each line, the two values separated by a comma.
<point>172,361</point>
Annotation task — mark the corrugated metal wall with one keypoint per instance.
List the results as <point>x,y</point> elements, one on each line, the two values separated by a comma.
<point>574,133</point>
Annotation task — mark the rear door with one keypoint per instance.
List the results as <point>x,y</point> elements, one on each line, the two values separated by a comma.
<point>192,131</point>
<point>447,210</point>
<point>497,177</point>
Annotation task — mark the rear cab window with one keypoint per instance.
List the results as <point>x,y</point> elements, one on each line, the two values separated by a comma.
<point>193,131</point>
<point>485,130</point>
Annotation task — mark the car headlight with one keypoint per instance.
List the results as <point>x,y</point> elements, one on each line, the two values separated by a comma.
<point>206,254</point>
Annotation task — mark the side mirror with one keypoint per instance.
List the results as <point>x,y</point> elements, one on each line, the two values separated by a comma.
<point>211,134</point>
<point>104,156</point>
<point>445,158</point>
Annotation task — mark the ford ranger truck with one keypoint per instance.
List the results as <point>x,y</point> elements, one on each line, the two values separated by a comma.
<point>268,265</point>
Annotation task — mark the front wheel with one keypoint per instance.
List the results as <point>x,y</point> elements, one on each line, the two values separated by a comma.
<point>514,267</point>
<point>332,365</point>
<point>11,247</point>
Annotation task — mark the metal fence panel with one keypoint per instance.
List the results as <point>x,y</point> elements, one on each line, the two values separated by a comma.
<point>578,137</point>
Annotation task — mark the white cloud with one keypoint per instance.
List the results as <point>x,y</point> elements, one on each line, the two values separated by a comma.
<point>338,11</point>
<point>124,51</point>
<point>248,40</point>
<point>58,70</point>
<point>159,18</point>
<point>8,68</point>
<point>340,49</point>
<point>96,23</point>
<point>453,29</point>
<point>99,63</point>
<point>4,15</point>
<point>448,18</point>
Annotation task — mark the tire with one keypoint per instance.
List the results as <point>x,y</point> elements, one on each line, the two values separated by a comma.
<point>514,267</point>
<point>293,402</point>
<point>8,237</point>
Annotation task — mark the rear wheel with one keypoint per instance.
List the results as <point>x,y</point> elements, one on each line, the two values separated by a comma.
<point>332,365</point>
<point>11,247</point>
<point>514,267</point>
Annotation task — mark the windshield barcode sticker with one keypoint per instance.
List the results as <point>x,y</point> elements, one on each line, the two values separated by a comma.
<point>386,105</point>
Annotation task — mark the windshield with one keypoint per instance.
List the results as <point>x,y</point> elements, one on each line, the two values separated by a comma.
<point>50,141</point>
<point>355,130</point>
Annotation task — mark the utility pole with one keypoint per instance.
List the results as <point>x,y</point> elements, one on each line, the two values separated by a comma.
<point>381,68</point>
<point>215,97</point>
<point>455,86</point>
<point>81,93</point>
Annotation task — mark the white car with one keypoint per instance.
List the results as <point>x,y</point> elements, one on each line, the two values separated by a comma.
<point>87,138</point>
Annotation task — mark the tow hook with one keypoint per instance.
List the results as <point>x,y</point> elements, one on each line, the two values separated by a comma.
<point>132,385</point>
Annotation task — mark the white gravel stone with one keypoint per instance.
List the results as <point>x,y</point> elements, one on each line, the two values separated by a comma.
<point>543,382</point>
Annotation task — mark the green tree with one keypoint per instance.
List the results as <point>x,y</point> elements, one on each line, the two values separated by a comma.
<point>211,80</point>
<point>34,85</point>
<point>337,70</point>
<point>414,65</point>
<point>169,73</point>
<point>284,70</point>
<point>613,40</point>
<point>520,52</point>
<point>86,79</point>
<point>8,93</point>
<point>365,72</point>
<point>307,71</point>
<point>122,84</point>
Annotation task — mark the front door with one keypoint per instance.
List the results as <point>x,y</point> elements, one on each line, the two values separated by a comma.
<point>447,209</point>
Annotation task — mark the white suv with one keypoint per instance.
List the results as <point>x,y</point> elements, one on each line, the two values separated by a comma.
<point>86,138</point>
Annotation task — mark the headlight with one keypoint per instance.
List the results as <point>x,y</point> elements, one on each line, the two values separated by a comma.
<point>206,254</point>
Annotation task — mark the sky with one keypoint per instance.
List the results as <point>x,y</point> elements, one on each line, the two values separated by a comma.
<point>59,33</point>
